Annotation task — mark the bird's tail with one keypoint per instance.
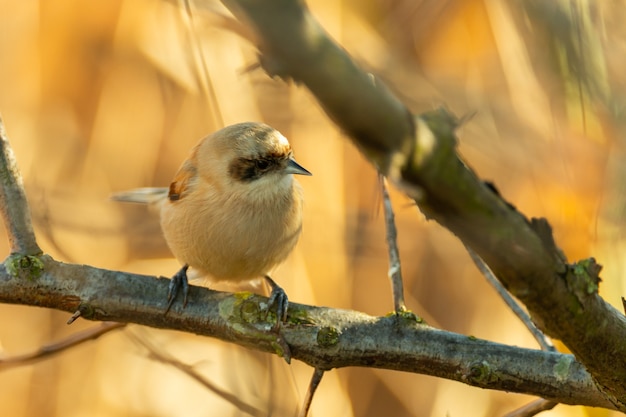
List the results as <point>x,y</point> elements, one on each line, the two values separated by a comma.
<point>149,195</point>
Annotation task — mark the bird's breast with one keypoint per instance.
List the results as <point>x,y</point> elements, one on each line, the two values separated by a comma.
<point>233,238</point>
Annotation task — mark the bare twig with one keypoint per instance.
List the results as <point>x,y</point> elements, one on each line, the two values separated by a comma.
<point>74,317</point>
<point>13,204</point>
<point>532,408</point>
<point>316,378</point>
<point>544,342</point>
<point>542,339</point>
<point>166,359</point>
<point>395,270</point>
<point>52,349</point>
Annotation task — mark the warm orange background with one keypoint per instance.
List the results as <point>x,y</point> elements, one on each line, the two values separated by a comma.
<point>103,96</point>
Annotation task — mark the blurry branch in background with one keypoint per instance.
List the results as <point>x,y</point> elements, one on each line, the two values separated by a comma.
<point>418,153</point>
<point>47,351</point>
<point>577,46</point>
<point>161,356</point>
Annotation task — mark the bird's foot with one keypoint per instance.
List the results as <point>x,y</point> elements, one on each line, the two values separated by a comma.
<point>179,280</point>
<point>279,298</point>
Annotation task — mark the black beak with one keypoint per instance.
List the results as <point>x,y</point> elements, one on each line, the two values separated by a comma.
<point>295,168</point>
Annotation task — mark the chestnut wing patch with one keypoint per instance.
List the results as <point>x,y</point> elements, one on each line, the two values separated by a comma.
<point>182,181</point>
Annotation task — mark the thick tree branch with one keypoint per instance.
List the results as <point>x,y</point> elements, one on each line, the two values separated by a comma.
<point>419,153</point>
<point>322,337</point>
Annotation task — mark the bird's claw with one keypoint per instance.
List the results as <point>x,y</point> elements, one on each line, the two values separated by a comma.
<point>278,296</point>
<point>178,281</point>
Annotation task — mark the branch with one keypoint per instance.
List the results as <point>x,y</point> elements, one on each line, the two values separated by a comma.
<point>55,348</point>
<point>419,154</point>
<point>190,371</point>
<point>541,339</point>
<point>322,337</point>
<point>532,408</point>
<point>13,204</point>
<point>318,374</point>
<point>395,267</point>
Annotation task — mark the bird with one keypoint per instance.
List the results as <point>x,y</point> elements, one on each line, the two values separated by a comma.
<point>233,211</point>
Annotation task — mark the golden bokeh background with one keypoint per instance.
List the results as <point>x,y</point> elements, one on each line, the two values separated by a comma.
<point>99,97</point>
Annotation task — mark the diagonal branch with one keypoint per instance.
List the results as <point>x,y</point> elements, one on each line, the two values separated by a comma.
<point>158,354</point>
<point>419,154</point>
<point>541,338</point>
<point>55,348</point>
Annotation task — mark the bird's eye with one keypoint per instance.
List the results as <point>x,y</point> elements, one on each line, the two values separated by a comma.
<point>262,164</point>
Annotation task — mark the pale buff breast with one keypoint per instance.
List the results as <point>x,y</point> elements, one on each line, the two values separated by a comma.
<point>237,241</point>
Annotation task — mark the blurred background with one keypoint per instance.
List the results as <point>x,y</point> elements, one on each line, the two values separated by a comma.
<point>99,97</point>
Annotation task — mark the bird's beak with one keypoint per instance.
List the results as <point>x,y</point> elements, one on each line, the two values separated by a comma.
<point>295,168</point>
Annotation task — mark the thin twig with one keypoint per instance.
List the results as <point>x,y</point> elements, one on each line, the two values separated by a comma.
<point>47,351</point>
<point>539,405</point>
<point>395,270</point>
<point>541,338</point>
<point>316,378</point>
<point>163,357</point>
<point>532,408</point>
<point>13,204</point>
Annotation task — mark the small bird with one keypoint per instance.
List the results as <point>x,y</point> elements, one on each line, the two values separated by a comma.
<point>233,210</point>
